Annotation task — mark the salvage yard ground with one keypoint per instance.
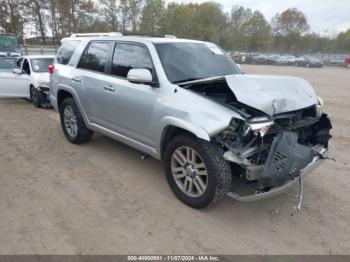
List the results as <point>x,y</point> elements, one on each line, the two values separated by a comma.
<point>101,198</point>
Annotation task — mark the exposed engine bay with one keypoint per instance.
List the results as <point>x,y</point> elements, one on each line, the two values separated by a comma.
<point>267,150</point>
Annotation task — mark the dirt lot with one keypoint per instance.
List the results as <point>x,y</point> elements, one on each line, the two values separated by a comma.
<point>100,198</point>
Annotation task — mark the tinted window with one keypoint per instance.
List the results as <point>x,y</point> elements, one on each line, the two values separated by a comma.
<point>66,51</point>
<point>95,57</point>
<point>40,65</point>
<point>130,56</point>
<point>190,61</point>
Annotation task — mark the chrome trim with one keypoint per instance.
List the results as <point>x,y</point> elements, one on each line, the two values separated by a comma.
<point>317,160</point>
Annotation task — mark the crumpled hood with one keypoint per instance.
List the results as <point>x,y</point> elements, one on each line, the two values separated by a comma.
<point>44,77</point>
<point>272,94</point>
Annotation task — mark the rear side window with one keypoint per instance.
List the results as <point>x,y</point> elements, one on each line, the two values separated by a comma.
<point>130,56</point>
<point>66,51</point>
<point>95,57</point>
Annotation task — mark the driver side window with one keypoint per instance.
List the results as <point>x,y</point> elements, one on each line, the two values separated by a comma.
<point>26,67</point>
<point>130,56</point>
<point>19,63</point>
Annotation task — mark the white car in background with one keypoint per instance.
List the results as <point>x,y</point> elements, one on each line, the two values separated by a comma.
<point>26,77</point>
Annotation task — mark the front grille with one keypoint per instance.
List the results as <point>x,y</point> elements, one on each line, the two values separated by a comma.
<point>295,120</point>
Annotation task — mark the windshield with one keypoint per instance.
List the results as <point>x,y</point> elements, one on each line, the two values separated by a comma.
<point>40,65</point>
<point>8,43</point>
<point>191,61</point>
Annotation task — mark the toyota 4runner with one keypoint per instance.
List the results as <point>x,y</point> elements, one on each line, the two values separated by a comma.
<point>217,131</point>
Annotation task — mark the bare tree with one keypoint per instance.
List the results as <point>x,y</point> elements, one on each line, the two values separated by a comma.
<point>111,11</point>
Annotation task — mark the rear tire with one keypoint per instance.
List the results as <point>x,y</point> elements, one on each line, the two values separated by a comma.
<point>201,157</point>
<point>72,123</point>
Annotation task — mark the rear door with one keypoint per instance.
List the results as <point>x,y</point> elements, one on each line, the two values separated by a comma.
<point>89,78</point>
<point>11,84</point>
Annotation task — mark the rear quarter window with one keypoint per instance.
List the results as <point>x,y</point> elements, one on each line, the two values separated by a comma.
<point>66,51</point>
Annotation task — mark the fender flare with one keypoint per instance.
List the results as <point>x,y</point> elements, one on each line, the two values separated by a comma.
<point>75,97</point>
<point>176,122</point>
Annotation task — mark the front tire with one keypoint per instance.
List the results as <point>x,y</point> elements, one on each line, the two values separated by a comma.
<point>35,97</point>
<point>72,123</point>
<point>196,171</point>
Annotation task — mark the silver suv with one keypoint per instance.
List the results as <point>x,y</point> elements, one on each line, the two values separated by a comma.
<point>217,131</point>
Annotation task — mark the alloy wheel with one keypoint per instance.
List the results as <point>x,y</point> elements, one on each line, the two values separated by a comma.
<point>70,121</point>
<point>189,171</point>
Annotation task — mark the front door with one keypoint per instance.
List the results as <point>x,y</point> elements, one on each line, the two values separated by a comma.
<point>130,107</point>
<point>13,84</point>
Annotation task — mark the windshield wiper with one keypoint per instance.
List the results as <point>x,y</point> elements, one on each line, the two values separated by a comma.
<point>187,80</point>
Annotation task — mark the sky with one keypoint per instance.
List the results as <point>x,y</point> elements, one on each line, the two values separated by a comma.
<point>326,17</point>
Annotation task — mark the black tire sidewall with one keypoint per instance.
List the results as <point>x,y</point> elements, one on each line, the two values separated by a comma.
<point>207,198</point>
<point>83,134</point>
<point>35,100</point>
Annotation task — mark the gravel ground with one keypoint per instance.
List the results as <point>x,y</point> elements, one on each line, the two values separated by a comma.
<point>100,198</point>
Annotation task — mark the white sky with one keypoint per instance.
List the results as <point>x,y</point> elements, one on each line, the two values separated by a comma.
<point>327,17</point>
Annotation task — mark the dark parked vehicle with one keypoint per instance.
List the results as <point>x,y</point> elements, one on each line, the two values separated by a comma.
<point>262,60</point>
<point>279,60</point>
<point>308,61</point>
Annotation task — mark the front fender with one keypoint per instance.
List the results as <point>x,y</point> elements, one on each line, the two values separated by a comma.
<point>176,122</point>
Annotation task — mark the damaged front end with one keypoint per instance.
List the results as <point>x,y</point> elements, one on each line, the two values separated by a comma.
<point>284,136</point>
<point>271,153</point>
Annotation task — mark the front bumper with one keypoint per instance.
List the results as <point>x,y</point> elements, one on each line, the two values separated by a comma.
<point>316,161</point>
<point>44,89</point>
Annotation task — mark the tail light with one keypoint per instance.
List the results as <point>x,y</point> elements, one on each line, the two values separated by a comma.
<point>51,69</point>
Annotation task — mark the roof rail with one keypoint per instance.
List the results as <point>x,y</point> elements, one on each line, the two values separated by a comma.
<point>146,35</point>
<point>119,34</point>
<point>170,36</point>
<point>4,33</point>
<point>97,34</point>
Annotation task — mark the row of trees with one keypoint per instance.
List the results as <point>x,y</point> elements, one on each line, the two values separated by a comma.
<point>243,29</point>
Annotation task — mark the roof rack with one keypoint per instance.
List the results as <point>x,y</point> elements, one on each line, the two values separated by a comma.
<point>170,36</point>
<point>119,34</point>
<point>97,34</point>
<point>4,33</point>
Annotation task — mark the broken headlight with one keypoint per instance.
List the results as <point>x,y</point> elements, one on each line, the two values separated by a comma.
<point>319,106</point>
<point>258,125</point>
<point>43,83</point>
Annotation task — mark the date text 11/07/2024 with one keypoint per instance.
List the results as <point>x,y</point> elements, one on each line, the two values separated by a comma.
<point>173,258</point>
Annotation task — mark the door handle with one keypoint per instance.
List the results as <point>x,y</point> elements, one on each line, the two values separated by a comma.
<point>109,88</point>
<point>76,79</point>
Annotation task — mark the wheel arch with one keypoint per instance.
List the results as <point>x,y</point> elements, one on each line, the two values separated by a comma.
<point>61,95</point>
<point>173,129</point>
<point>64,93</point>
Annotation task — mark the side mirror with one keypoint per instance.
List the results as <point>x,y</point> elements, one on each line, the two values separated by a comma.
<point>17,71</point>
<point>140,76</point>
